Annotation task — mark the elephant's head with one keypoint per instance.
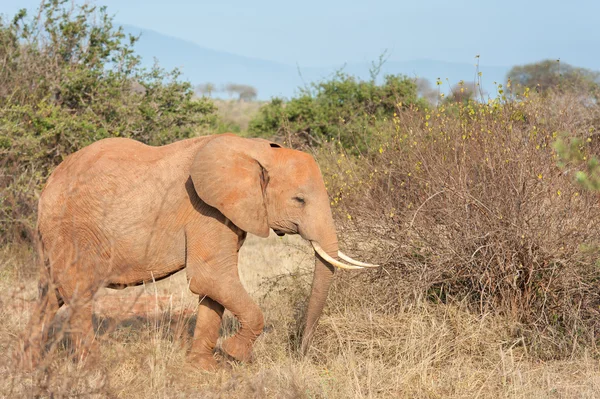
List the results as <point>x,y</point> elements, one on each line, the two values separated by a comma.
<point>259,186</point>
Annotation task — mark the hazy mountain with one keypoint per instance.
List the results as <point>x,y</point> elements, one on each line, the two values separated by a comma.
<point>201,65</point>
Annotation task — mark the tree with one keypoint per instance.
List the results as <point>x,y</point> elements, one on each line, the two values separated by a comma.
<point>206,89</point>
<point>247,93</point>
<point>462,92</point>
<point>426,91</point>
<point>555,75</point>
<point>244,92</point>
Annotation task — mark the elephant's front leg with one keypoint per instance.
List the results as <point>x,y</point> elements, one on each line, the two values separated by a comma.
<point>212,269</point>
<point>234,297</point>
<point>206,333</point>
<point>220,282</point>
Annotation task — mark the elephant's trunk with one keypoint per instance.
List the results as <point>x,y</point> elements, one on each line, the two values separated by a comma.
<point>318,296</point>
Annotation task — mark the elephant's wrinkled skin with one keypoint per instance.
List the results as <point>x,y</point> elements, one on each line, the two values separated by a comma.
<point>120,213</point>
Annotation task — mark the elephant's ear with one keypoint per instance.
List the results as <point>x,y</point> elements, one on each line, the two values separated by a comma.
<point>228,176</point>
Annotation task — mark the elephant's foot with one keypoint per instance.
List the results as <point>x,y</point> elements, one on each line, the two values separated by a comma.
<point>203,361</point>
<point>238,348</point>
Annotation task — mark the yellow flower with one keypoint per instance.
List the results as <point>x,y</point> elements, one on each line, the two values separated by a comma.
<point>540,176</point>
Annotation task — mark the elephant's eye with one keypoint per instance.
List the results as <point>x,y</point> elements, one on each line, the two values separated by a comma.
<point>299,200</point>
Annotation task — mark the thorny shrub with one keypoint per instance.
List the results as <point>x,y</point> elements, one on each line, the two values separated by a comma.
<point>466,203</point>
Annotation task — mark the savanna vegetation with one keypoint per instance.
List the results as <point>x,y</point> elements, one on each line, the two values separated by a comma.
<point>484,213</point>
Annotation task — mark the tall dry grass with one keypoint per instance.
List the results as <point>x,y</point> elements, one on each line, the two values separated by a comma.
<point>422,350</point>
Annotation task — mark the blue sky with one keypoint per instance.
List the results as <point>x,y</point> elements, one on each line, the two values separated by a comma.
<point>320,33</point>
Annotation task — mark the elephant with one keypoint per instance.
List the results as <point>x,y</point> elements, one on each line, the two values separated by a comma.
<point>120,213</point>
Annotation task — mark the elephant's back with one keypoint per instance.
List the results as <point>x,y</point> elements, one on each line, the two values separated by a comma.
<point>115,165</point>
<point>115,183</point>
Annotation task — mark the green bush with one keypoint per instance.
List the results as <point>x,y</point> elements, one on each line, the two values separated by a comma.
<point>572,155</point>
<point>70,78</point>
<point>343,108</point>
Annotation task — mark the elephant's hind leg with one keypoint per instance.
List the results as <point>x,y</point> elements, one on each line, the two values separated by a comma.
<point>81,329</point>
<point>36,333</point>
<point>77,286</point>
<point>206,333</point>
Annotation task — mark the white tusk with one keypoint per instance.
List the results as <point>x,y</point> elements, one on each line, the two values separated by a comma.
<point>348,259</point>
<point>327,258</point>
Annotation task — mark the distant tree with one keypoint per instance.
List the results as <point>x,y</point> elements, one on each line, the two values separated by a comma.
<point>247,93</point>
<point>462,92</point>
<point>206,89</point>
<point>556,75</point>
<point>426,91</point>
<point>229,89</point>
<point>244,92</point>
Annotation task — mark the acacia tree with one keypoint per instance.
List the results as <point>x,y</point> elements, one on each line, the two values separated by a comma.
<point>206,89</point>
<point>244,92</point>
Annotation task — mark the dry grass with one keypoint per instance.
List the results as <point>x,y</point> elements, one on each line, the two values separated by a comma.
<point>421,351</point>
<point>237,113</point>
<point>466,204</point>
